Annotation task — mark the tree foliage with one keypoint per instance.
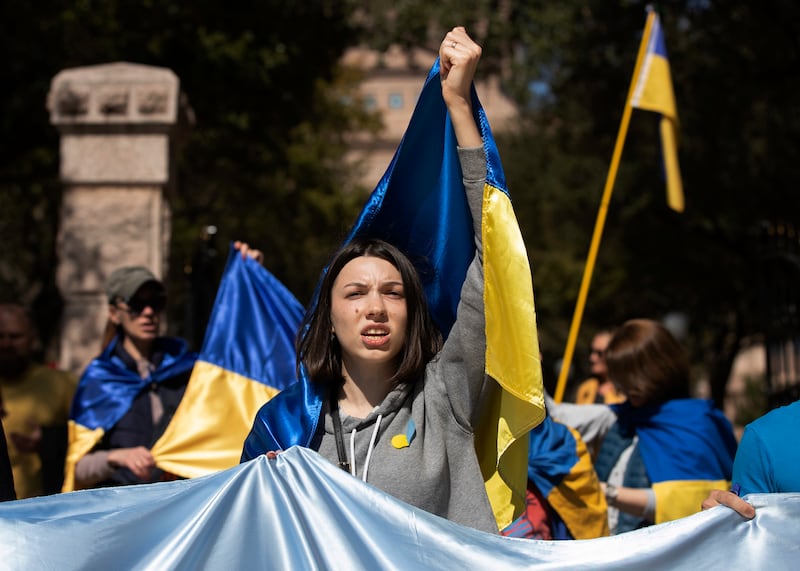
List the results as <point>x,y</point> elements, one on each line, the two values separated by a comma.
<point>568,65</point>
<point>262,163</point>
<point>735,71</point>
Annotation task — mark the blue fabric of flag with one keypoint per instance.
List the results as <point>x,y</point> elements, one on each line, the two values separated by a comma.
<point>247,358</point>
<point>253,324</point>
<point>681,439</point>
<point>107,387</point>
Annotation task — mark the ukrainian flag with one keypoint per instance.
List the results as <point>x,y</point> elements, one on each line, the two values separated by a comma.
<point>420,207</point>
<point>653,92</point>
<point>105,393</point>
<point>560,466</point>
<point>686,446</point>
<point>247,358</point>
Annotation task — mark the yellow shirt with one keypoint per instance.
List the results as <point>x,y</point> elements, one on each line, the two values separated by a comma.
<point>586,393</point>
<point>41,396</point>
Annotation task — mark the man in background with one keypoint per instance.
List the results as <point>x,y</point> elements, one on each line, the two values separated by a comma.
<point>37,401</point>
<point>6,476</point>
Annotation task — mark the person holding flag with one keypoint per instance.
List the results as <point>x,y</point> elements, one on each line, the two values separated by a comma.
<point>390,391</point>
<point>128,395</point>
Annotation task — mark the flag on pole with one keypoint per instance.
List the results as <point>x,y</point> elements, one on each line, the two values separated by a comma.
<point>650,89</point>
<point>247,358</point>
<point>653,92</point>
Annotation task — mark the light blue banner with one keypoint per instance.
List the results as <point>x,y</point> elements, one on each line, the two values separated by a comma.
<point>301,512</point>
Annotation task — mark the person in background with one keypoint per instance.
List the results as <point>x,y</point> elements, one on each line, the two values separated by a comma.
<point>132,389</point>
<point>37,400</point>
<point>598,388</point>
<point>379,375</point>
<point>660,451</point>
<point>767,460</point>
<point>7,491</point>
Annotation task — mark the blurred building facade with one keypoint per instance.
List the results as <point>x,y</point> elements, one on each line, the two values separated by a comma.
<point>392,83</point>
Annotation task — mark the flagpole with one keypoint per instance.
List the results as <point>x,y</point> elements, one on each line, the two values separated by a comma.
<point>601,216</point>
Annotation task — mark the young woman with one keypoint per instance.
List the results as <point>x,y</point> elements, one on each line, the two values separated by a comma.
<point>661,452</point>
<point>386,399</point>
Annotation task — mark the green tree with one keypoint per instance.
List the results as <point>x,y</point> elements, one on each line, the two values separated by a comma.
<point>735,72</point>
<point>568,65</point>
<point>263,162</point>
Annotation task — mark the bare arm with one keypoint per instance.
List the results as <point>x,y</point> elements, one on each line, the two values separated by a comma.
<point>636,501</point>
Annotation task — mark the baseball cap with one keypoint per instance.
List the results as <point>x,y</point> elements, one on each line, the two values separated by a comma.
<point>124,282</point>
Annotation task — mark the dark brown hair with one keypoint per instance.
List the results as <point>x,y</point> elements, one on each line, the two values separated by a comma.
<point>321,354</point>
<point>647,362</point>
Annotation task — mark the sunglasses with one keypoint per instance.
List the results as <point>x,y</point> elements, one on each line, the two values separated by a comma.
<point>137,305</point>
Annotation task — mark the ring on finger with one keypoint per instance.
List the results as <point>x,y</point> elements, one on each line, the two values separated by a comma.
<point>453,44</point>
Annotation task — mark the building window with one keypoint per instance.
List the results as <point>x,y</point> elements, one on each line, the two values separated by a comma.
<point>395,101</point>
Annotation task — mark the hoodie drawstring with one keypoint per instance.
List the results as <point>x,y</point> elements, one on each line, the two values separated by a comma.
<point>369,449</point>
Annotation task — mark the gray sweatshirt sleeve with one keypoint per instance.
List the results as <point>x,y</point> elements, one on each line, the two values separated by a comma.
<point>462,362</point>
<point>592,421</point>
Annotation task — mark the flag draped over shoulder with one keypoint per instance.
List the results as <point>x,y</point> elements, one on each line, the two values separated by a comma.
<point>653,92</point>
<point>687,447</point>
<point>419,206</point>
<point>106,391</point>
<point>247,357</point>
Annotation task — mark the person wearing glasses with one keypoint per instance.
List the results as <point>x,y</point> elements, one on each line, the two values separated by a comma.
<point>598,389</point>
<point>135,385</point>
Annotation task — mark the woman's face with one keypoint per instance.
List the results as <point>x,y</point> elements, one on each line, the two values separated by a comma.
<point>140,318</point>
<point>597,359</point>
<point>368,311</point>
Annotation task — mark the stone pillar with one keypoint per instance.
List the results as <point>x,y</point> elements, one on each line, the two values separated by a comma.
<point>119,124</point>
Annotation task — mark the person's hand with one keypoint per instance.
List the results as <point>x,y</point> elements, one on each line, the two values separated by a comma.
<point>27,442</point>
<point>731,500</point>
<point>458,59</point>
<point>138,460</point>
<point>272,454</point>
<point>245,249</point>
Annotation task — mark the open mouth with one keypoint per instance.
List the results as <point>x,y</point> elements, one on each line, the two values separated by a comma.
<point>375,336</point>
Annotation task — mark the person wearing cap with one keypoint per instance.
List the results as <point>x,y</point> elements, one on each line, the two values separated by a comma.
<point>127,396</point>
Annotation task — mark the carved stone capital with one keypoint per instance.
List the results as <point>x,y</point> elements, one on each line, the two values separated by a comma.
<point>113,95</point>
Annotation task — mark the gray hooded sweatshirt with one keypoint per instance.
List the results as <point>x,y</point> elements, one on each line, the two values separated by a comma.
<point>438,471</point>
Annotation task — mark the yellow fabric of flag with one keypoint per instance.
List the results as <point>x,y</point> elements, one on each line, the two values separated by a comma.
<point>653,91</point>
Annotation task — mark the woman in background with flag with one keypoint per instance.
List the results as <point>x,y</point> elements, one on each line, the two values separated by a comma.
<point>128,395</point>
<point>661,452</point>
<point>384,397</point>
